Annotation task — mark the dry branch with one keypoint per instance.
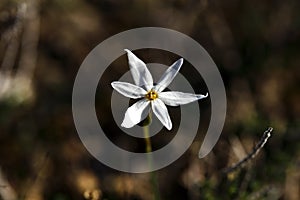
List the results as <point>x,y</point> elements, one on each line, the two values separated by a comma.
<point>253,153</point>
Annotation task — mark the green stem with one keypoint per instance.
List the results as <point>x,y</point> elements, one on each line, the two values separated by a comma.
<point>154,182</point>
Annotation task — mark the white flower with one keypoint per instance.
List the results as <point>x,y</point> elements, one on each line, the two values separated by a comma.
<point>152,95</point>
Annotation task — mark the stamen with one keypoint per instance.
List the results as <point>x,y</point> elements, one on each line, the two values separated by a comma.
<point>151,95</point>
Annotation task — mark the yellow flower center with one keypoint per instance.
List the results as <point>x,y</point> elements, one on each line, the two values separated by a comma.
<point>151,95</point>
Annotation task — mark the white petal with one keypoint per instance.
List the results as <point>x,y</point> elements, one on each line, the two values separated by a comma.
<point>172,98</point>
<point>140,73</point>
<point>168,76</point>
<point>161,112</point>
<point>129,90</point>
<point>136,113</point>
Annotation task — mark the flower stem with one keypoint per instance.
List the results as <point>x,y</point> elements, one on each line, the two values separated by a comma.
<point>154,182</point>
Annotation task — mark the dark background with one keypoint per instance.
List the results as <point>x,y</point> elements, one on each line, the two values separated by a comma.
<point>255,44</point>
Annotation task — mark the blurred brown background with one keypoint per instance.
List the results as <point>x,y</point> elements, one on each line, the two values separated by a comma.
<point>255,44</point>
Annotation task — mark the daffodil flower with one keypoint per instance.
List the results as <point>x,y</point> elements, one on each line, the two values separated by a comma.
<point>152,96</point>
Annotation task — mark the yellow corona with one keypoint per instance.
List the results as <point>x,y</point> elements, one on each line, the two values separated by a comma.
<point>151,95</point>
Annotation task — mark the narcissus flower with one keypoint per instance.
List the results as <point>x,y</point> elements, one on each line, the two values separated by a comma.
<point>152,96</point>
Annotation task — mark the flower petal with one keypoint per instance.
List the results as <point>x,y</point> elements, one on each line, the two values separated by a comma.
<point>168,76</point>
<point>161,112</point>
<point>172,98</point>
<point>136,113</point>
<point>140,73</point>
<point>129,90</point>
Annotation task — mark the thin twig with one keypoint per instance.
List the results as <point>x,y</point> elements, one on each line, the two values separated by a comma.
<point>27,24</point>
<point>251,155</point>
<point>9,44</point>
<point>30,38</point>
